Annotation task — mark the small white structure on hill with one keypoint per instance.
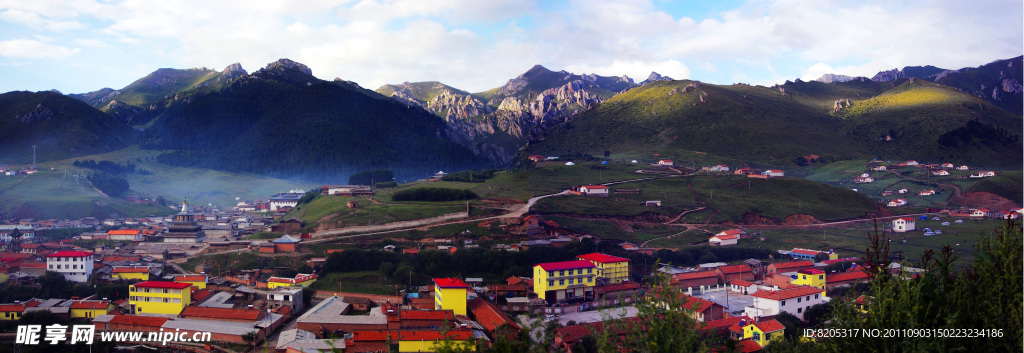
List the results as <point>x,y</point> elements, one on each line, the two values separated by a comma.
<point>902,225</point>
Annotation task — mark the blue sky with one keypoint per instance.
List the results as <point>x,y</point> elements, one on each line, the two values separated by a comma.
<point>78,46</point>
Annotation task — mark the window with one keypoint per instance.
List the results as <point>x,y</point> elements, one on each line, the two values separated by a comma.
<point>798,300</point>
<point>821,276</point>
<point>808,297</point>
<point>570,281</point>
<point>551,283</point>
<point>799,310</point>
<point>590,270</point>
<point>561,282</point>
<point>768,337</point>
<point>561,273</point>
<point>783,303</point>
<point>757,336</point>
<point>551,273</point>
<point>815,296</point>
<point>805,277</point>
<point>590,279</point>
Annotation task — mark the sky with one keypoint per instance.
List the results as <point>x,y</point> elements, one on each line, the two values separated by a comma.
<point>78,46</point>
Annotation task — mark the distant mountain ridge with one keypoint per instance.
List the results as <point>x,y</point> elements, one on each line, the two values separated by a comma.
<point>828,78</point>
<point>498,122</point>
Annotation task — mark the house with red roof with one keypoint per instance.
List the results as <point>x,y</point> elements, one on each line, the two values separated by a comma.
<point>702,309</point>
<point>564,281</point>
<point>793,300</point>
<point>730,273</point>
<point>695,279</point>
<point>76,266</point>
<point>223,314</point>
<point>905,224</point>
<point>594,190</point>
<point>494,321</point>
<point>723,240</point>
<point>773,173</point>
<point>788,266</point>
<point>848,278</point>
<point>665,162</point>
<point>610,269</point>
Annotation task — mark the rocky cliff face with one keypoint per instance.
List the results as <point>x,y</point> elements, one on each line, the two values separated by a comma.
<point>517,112</point>
<point>826,78</point>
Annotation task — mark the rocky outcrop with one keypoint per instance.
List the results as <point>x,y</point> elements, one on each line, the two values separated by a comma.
<point>840,104</point>
<point>40,112</point>
<point>121,111</point>
<point>655,77</point>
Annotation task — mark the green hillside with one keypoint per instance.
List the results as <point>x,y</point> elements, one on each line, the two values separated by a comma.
<point>747,122</point>
<point>909,121</point>
<point>281,121</point>
<point>63,195</point>
<point>60,127</point>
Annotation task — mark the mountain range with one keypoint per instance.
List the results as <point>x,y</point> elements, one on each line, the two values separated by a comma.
<point>283,121</point>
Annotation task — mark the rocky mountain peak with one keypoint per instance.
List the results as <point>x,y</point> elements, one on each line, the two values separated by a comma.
<point>653,77</point>
<point>827,78</point>
<point>234,70</point>
<point>288,65</point>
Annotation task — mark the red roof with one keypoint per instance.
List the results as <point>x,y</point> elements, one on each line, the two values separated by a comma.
<point>123,232</point>
<point>774,171</point>
<point>565,265</point>
<point>810,271</point>
<point>450,283</point>
<point>695,275</point>
<point>726,237</point>
<point>907,219</point>
<point>200,295</point>
<point>617,287</point>
<point>130,269</point>
<point>735,269</point>
<point>602,258</point>
<point>791,264</point>
<point>697,304</point>
<point>427,315</point>
<point>33,264</point>
<point>190,278</point>
<point>748,346</point>
<point>12,307</point>
<point>804,252</point>
<point>489,316</point>
<point>222,313</point>
<point>741,283</point>
<point>90,304</point>
<point>135,320</point>
<point>162,284</point>
<point>69,253</point>
<point>594,186</point>
<point>769,326</point>
<point>370,335</point>
<point>847,276</point>
<point>722,323</point>
<point>784,294</point>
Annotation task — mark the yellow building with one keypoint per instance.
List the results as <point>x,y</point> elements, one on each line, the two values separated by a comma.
<point>555,281</point>
<point>430,341</point>
<point>159,297</point>
<point>450,294</point>
<point>764,332</point>
<point>137,273</point>
<point>613,268</point>
<point>90,308</point>
<point>11,311</point>
<point>862,303</point>
<point>810,277</point>
<point>302,280</point>
<point>197,281</point>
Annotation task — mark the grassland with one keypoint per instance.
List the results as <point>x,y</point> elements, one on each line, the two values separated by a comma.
<point>853,240</point>
<point>56,194</point>
<point>334,209</point>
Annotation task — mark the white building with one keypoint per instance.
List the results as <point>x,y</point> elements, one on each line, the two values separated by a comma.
<point>285,199</point>
<point>984,174</point>
<point>27,232</point>
<point>905,224</point>
<point>665,162</point>
<point>720,168</point>
<point>594,190</point>
<point>941,172</point>
<point>76,266</point>
<point>963,167</point>
<point>911,163</point>
<point>773,173</point>
<point>927,192</point>
<point>723,240</point>
<point>794,300</point>
<point>897,203</point>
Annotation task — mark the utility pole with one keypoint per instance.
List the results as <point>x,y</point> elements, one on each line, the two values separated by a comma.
<point>33,156</point>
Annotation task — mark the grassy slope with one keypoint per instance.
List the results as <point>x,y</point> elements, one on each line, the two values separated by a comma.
<point>334,209</point>
<point>919,112</point>
<point>1005,184</point>
<point>43,195</point>
<point>752,123</point>
<point>149,90</point>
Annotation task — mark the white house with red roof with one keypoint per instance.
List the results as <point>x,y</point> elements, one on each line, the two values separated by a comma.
<point>947,165</point>
<point>902,225</point>
<point>720,168</point>
<point>773,173</point>
<point>794,300</point>
<point>76,266</point>
<point>981,212</point>
<point>665,162</point>
<point>897,203</point>
<point>723,239</point>
<point>910,163</point>
<point>985,174</point>
<point>940,172</point>
<point>594,190</point>
<point>928,192</point>
<point>879,168</point>
<point>963,167</point>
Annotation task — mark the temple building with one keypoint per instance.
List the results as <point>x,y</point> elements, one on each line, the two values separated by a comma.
<point>184,228</point>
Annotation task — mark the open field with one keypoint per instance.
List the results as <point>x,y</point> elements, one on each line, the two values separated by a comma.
<point>853,240</point>
<point>56,194</point>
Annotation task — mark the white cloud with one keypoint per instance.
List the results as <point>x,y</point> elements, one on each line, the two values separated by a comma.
<point>36,21</point>
<point>33,49</point>
<point>635,69</point>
